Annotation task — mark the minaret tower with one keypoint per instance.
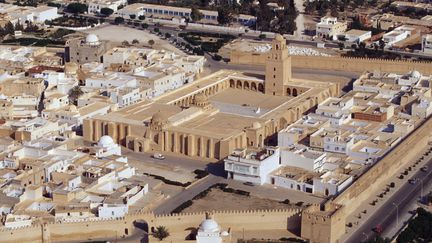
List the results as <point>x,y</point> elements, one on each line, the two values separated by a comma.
<point>278,67</point>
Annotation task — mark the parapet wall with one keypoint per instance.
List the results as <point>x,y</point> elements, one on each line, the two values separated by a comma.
<point>349,64</point>
<point>178,224</point>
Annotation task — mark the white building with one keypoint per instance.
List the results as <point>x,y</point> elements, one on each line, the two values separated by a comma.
<point>251,165</point>
<point>302,157</point>
<point>106,147</point>
<point>56,101</point>
<point>427,44</point>
<point>398,34</point>
<point>337,110</point>
<point>96,6</point>
<point>422,109</point>
<point>74,117</point>
<point>125,96</point>
<point>292,178</point>
<point>43,13</point>
<point>110,80</point>
<point>112,210</point>
<point>329,27</point>
<point>357,36</point>
<point>331,183</point>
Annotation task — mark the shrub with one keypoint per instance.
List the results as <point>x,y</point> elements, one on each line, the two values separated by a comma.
<point>217,57</point>
<point>106,11</point>
<point>144,25</point>
<point>200,173</point>
<point>76,8</point>
<point>118,20</point>
<point>299,204</point>
<point>156,30</point>
<point>392,184</point>
<point>262,36</point>
<point>286,201</point>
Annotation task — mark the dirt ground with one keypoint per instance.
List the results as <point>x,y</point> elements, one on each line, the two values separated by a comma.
<point>118,34</point>
<point>216,199</point>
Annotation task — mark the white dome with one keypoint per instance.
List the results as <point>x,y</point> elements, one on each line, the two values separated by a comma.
<point>415,74</point>
<point>105,141</point>
<point>224,233</point>
<point>209,225</point>
<point>92,39</point>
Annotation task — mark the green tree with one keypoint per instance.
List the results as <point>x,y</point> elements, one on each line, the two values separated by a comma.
<point>141,17</point>
<point>106,11</point>
<point>161,233</point>
<point>151,42</point>
<point>196,15</point>
<point>118,20</point>
<point>144,25</point>
<point>19,26</point>
<point>74,94</point>
<point>132,16</point>
<point>135,41</point>
<point>167,35</point>
<point>76,8</point>
<point>9,28</point>
<point>225,15</point>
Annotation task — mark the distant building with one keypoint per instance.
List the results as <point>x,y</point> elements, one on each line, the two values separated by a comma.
<point>162,11</point>
<point>96,6</point>
<point>85,50</point>
<point>329,27</point>
<point>427,44</point>
<point>357,36</point>
<point>398,34</point>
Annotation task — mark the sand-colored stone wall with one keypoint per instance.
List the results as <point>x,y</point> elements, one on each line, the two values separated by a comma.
<point>338,63</point>
<point>179,225</point>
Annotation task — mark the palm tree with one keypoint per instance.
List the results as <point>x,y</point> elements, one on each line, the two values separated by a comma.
<point>75,93</point>
<point>161,233</point>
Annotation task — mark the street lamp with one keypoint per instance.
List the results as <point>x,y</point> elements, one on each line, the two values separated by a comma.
<point>397,214</point>
<point>421,191</point>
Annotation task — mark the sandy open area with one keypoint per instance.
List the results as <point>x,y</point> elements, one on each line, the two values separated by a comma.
<point>117,33</point>
<point>216,199</point>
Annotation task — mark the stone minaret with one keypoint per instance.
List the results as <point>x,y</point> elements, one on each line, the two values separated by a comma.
<point>278,67</point>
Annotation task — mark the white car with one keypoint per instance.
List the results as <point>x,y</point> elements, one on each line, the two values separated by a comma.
<point>158,156</point>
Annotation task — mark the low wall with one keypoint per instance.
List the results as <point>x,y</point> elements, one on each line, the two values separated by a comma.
<point>350,64</point>
<point>179,225</point>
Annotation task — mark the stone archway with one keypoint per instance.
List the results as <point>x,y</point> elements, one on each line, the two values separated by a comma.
<point>288,91</point>
<point>294,92</point>
<point>253,86</point>
<point>232,83</point>
<point>239,84</point>
<point>260,87</point>
<point>246,85</point>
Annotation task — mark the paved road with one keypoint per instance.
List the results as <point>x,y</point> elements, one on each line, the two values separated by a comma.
<point>169,205</point>
<point>388,212</point>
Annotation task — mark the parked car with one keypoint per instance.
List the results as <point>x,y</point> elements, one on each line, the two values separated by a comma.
<point>158,156</point>
<point>424,168</point>
<point>378,229</point>
<point>413,181</point>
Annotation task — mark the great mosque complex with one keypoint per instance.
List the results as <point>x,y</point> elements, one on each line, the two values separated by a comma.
<point>214,115</point>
